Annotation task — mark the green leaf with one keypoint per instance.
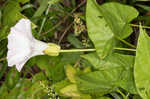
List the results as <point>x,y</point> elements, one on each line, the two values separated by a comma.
<point>114,71</point>
<point>142,65</point>
<point>70,58</point>
<point>60,85</point>
<point>121,15</point>
<point>101,27</point>
<point>74,41</point>
<point>38,77</point>
<point>99,82</point>
<point>3,48</point>
<point>23,1</point>
<point>3,68</point>
<point>51,2</point>
<point>71,72</point>
<point>3,91</point>
<point>0,17</point>
<point>41,9</point>
<point>3,33</point>
<point>12,78</point>
<point>11,14</point>
<point>104,97</point>
<point>145,7</point>
<point>112,61</point>
<point>14,13</point>
<point>70,90</point>
<point>27,6</point>
<point>35,91</point>
<point>52,66</point>
<point>116,96</point>
<point>26,89</point>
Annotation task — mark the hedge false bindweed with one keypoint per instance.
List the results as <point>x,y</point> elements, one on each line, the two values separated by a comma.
<point>22,45</point>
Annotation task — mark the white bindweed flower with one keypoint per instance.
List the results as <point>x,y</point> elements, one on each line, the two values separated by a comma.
<point>22,45</point>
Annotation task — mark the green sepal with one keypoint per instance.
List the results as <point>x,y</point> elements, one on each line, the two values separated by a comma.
<point>52,50</point>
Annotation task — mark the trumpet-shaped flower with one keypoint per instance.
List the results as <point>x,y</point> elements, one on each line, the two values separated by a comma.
<point>22,45</point>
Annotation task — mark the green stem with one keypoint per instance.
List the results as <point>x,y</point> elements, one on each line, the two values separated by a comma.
<point>125,42</point>
<point>125,49</point>
<point>135,25</point>
<point>91,50</point>
<point>77,50</point>
<point>122,94</point>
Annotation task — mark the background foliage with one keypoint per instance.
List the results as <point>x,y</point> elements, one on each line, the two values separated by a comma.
<point>110,26</point>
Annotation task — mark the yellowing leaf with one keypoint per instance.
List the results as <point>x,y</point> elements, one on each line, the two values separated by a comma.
<point>70,90</point>
<point>70,72</point>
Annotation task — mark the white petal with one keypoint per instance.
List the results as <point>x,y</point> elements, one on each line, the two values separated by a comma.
<point>24,27</point>
<point>17,58</point>
<point>19,47</point>
<point>22,45</point>
<point>19,66</point>
<point>38,47</point>
<point>17,40</point>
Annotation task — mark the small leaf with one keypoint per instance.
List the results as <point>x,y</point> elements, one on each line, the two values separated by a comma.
<point>145,7</point>
<point>70,90</point>
<point>38,77</point>
<point>74,41</point>
<point>41,9</point>
<point>70,72</point>
<point>60,85</point>
<point>3,68</point>
<point>12,78</point>
<point>52,66</point>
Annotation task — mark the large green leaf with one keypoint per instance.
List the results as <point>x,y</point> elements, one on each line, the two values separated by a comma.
<point>142,65</point>
<point>106,22</point>
<point>114,71</point>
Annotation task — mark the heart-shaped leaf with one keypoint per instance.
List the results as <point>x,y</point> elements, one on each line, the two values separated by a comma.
<point>107,22</point>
